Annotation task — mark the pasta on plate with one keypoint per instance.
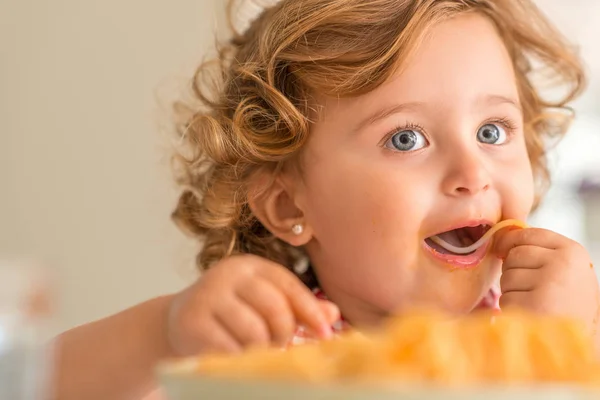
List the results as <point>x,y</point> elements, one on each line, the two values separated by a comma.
<point>429,347</point>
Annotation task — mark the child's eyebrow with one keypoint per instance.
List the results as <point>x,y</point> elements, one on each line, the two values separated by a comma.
<point>497,99</point>
<point>386,112</point>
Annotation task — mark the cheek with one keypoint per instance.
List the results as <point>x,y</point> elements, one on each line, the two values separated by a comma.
<point>364,216</point>
<point>517,187</point>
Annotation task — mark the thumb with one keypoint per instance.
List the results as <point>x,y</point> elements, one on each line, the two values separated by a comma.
<point>503,241</point>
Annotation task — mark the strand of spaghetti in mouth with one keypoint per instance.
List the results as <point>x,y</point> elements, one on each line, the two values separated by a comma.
<point>483,240</point>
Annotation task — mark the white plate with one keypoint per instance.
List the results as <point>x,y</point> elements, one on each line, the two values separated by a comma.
<point>181,384</point>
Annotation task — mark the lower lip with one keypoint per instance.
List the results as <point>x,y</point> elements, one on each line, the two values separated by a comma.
<point>459,261</point>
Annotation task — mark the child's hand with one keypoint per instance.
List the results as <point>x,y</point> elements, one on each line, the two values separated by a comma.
<point>547,273</point>
<point>245,301</point>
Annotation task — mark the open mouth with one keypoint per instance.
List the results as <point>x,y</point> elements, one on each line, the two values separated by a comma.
<point>459,241</point>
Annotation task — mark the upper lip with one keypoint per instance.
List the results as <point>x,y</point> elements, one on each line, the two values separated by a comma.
<point>463,224</point>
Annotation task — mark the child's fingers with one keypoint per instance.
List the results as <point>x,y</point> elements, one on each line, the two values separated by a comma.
<point>519,280</point>
<point>273,306</point>
<point>509,239</point>
<point>331,311</point>
<point>243,322</point>
<point>304,304</point>
<point>212,337</point>
<point>527,256</point>
<point>514,300</point>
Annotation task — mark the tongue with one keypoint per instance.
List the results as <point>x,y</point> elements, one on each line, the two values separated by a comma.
<point>456,238</point>
<point>437,247</point>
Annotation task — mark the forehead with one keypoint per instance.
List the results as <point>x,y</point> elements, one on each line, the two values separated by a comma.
<point>459,61</point>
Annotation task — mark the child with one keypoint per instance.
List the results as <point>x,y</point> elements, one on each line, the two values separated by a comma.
<point>349,132</point>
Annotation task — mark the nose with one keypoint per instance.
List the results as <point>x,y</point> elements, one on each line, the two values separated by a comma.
<point>466,176</point>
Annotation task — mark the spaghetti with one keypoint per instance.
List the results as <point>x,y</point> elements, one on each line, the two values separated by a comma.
<point>483,240</point>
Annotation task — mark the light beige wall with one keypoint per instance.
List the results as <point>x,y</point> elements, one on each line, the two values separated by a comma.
<point>84,182</point>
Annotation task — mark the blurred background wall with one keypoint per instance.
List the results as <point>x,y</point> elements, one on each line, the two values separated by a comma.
<point>84,179</point>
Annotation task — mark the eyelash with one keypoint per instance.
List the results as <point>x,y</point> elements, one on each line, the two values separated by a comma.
<point>507,123</point>
<point>409,126</point>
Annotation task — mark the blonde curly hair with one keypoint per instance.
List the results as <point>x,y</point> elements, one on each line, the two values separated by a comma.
<point>254,102</point>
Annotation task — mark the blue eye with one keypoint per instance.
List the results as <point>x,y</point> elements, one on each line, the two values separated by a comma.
<point>492,134</point>
<point>407,140</point>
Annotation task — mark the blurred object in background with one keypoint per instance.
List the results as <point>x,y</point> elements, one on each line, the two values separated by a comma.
<point>589,191</point>
<point>25,314</point>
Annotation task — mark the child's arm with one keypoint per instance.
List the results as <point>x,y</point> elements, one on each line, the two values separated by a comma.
<point>242,301</point>
<point>113,358</point>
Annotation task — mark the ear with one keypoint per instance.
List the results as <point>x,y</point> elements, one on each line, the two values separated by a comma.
<point>273,202</point>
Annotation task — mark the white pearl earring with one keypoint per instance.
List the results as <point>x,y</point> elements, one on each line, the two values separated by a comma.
<point>297,229</point>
